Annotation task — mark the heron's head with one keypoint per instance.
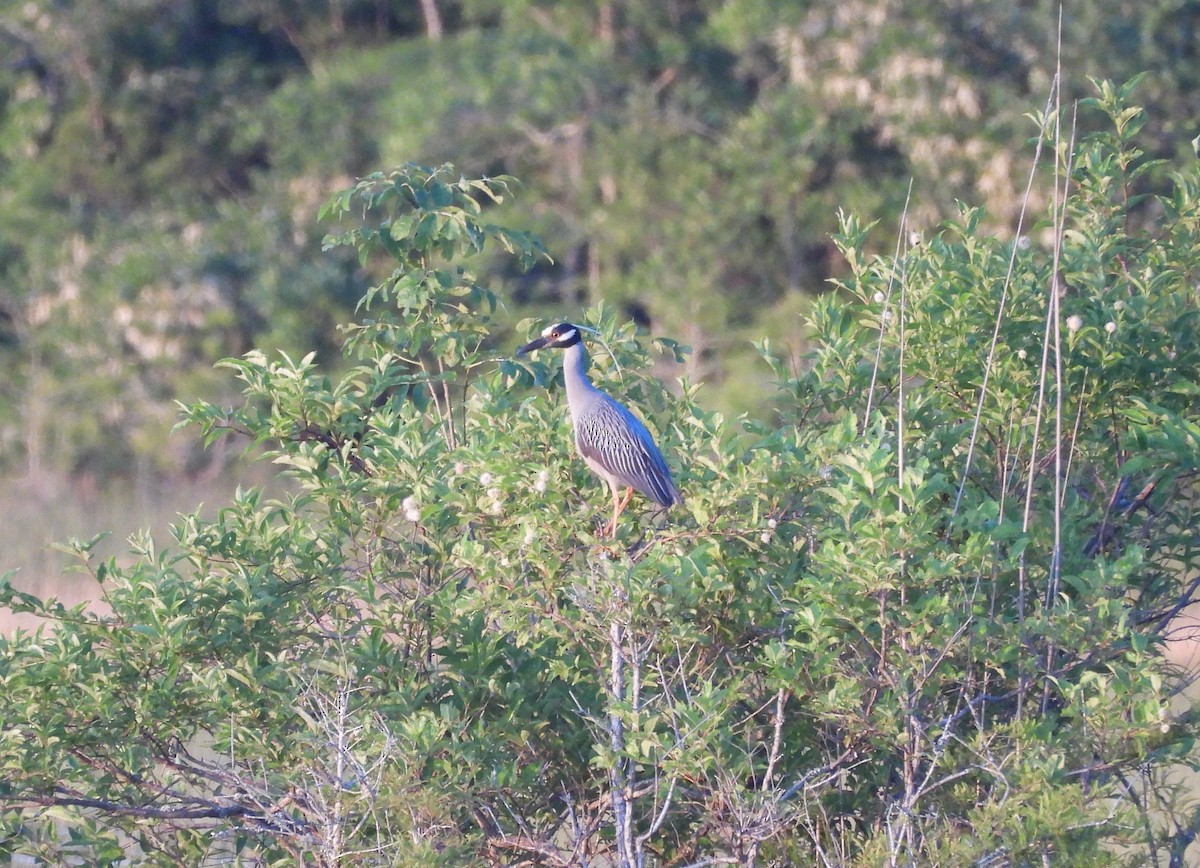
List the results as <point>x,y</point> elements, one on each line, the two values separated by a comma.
<point>558,336</point>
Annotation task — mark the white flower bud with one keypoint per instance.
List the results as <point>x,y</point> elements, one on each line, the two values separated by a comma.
<point>772,523</point>
<point>878,297</point>
<point>1119,304</point>
<point>1074,323</point>
<point>412,509</point>
<point>485,478</point>
<point>766,536</point>
<point>1024,242</point>
<point>1022,355</point>
<point>1110,327</point>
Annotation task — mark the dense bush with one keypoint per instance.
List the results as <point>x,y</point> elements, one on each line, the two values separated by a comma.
<point>918,619</point>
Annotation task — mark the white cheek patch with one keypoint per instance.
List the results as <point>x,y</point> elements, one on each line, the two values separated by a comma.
<point>568,335</point>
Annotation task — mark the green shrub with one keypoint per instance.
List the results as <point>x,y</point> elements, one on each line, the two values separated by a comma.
<point>917,621</point>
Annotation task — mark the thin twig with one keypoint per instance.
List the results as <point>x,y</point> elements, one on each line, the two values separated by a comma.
<point>1012,261</point>
<point>886,300</point>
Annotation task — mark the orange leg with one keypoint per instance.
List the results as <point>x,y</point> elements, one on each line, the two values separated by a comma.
<point>619,503</point>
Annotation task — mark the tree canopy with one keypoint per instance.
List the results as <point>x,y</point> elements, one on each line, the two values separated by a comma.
<point>161,161</point>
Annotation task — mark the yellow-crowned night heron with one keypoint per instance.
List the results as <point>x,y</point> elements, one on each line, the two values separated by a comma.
<point>614,443</point>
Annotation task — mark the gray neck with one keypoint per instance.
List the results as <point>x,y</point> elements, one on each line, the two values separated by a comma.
<point>575,363</point>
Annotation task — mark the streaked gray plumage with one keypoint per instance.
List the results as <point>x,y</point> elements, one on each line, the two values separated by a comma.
<point>613,442</point>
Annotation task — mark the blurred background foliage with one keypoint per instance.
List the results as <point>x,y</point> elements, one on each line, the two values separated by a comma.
<point>162,161</point>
